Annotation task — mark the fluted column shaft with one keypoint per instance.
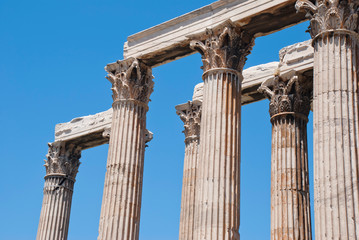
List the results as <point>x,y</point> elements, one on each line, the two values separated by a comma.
<point>191,116</point>
<point>188,190</point>
<point>335,106</point>
<point>290,204</point>
<point>61,166</point>
<point>217,198</point>
<point>334,28</point>
<point>121,204</point>
<point>219,179</point>
<point>56,208</point>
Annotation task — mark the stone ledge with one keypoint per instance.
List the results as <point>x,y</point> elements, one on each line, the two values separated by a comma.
<point>169,41</point>
<point>87,131</point>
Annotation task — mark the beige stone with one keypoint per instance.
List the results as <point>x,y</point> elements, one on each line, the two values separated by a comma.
<point>218,187</point>
<point>334,29</point>
<point>290,204</point>
<point>223,33</point>
<point>168,41</point>
<point>90,131</point>
<point>132,86</point>
<point>190,114</point>
<point>61,169</point>
<point>86,131</point>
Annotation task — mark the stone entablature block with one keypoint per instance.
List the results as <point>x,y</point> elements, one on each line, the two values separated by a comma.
<point>169,41</point>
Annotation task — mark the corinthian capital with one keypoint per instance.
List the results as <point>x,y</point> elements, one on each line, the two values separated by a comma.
<point>190,114</point>
<point>329,15</point>
<point>223,47</point>
<point>131,80</point>
<point>63,159</point>
<point>291,96</point>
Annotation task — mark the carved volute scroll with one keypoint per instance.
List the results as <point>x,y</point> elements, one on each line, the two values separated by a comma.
<point>224,47</point>
<point>63,159</point>
<point>191,118</point>
<point>291,96</point>
<point>327,15</point>
<point>131,80</point>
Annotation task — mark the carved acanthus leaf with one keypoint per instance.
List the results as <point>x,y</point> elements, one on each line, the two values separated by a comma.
<point>330,15</point>
<point>225,47</point>
<point>63,159</point>
<point>131,80</point>
<point>191,117</point>
<point>291,96</point>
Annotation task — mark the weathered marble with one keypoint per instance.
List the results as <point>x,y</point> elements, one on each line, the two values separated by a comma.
<point>169,41</point>
<point>121,204</point>
<point>94,130</point>
<point>61,168</point>
<point>334,29</point>
<point>297,57</point>
<point>253,78</point>
<point>290,204</point>
<point>87,131</point>
<point>223,53</point>
<point>197,97</point>
<point>190,114</point>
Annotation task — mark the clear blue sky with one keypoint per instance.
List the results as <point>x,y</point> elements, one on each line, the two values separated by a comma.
<point>52,55</point>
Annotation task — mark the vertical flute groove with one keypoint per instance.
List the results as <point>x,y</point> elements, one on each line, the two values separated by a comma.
<point>218,206</point>
<point>224,50</point>
<point>289,108</point>
<point>61,169</point>
<point>123,170</point>
<point>121,204</point>
<point>190,114</point>
<point>338,123</point>
<point>334,29</point>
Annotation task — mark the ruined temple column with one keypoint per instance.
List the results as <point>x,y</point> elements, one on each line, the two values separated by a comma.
<point>290,205</point>
<point>61,168</point>
<point>190,114</point>
<point>334,29</point>
<point>223,53</point>
<point>132,86</point>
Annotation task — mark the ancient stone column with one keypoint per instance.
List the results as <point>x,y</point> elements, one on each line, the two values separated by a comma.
<point>190,114</point>
<point>224,52</point>
<point>334,29</point>
<point>61,168</point>
<point>121,204</point>
<point>290,205</point>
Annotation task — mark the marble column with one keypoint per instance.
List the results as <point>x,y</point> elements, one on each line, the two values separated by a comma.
<point>290,204</point>
<point>334,30</point>
<point>190,114</point>
<point>224,52</point>
<point>132,86</point>
<point>61,168</point>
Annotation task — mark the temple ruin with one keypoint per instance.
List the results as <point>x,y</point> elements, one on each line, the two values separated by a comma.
<point>319,75</point>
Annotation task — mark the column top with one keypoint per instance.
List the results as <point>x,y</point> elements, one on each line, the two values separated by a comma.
<point>62,159</point>
<point>190,114</point>
<point>328,16</point>
<point>223,47</point>
<point>288,94</point>
<point>131,80</point>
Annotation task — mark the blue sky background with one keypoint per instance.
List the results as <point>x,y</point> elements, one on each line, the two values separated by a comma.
<point>52,58</point>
